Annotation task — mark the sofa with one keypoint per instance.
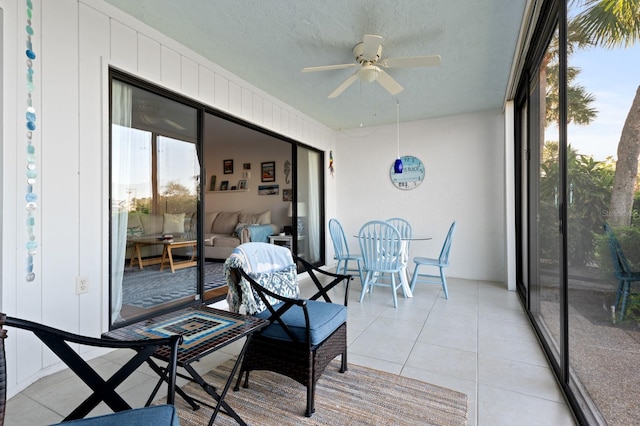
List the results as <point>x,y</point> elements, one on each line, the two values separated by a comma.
<point>224,231</point>
<point>144,226</point>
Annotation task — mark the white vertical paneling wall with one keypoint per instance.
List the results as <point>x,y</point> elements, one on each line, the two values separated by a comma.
<point>76,41</point>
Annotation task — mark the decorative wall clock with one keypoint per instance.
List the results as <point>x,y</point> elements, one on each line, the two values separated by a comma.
<point>412,173</point>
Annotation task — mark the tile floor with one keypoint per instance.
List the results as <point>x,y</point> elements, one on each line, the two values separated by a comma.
<point>478,342</point>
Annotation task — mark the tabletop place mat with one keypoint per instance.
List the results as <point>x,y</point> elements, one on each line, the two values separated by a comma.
<point>203,329</point>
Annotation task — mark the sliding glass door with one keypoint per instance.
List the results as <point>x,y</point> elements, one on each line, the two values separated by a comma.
<point>578,120</point>
<point>155,175</point>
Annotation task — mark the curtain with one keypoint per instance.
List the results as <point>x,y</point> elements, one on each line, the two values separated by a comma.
<point>121,146</point>
<point>314,205</point>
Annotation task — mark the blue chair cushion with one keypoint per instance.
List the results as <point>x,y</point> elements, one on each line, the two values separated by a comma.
<point>156,415</point>
<point>324,319</point>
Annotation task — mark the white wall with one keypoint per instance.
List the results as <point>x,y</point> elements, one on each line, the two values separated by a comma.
<point>463,157</point>
<point>75,42</point>
<point>250,202</point>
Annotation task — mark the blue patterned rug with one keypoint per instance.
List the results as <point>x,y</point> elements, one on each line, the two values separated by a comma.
<point>150,286</point>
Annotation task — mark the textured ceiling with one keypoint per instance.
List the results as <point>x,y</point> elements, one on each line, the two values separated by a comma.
<point>267,43</point>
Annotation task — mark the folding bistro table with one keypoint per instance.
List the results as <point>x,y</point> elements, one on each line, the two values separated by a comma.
<point>204,330</point>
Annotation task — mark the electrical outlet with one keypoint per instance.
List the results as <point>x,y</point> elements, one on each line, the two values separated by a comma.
<point>82,285</point>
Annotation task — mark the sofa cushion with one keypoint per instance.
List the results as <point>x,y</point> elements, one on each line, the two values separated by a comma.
<point>225,241</point>
<point>263,218</point>
<point>173,223</point>
<point>151,223</point>
<point>209,218</point>
<point>225,223</point>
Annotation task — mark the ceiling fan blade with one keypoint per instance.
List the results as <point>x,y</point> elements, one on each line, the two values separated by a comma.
<point>389,83</point>
<point>344,85</point>
<point>413,61</point>
<point>370,47</point>
<point>329,67</point>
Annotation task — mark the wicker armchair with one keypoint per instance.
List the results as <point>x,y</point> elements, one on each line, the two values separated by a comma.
<point>305,334</point>
<point>103,390</point>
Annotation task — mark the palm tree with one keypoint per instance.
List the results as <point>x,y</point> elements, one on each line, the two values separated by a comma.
<point>611,24</point>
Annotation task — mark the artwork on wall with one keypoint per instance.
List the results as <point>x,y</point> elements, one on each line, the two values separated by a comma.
<point>287,195</point>
<point>224,185</point>
<point>246,166</point>
<point>269,171</point>
<point>227,166</point>
<point>268,190</point>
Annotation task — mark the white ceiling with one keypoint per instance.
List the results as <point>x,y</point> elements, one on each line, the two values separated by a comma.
<point>267,43</point>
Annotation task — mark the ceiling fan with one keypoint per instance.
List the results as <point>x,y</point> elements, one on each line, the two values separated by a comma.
<point>367,54</point>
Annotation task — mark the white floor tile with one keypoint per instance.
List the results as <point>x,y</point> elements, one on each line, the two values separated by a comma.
<point>478,342</point>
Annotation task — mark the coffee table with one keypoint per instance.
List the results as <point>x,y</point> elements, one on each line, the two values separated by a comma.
<point>204,331</point>
<point>167,255</point>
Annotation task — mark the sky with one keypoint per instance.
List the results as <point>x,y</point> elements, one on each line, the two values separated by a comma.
<point>613,77</point>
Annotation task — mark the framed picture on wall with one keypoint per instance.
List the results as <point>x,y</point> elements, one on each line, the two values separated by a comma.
<point>287,195</point>
<point>269,171</point>
<point>227,166</point>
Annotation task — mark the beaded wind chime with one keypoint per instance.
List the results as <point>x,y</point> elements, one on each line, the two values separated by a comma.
<point>32,173</point>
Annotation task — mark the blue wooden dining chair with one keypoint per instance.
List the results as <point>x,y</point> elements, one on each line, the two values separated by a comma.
<point>381,247</point>
<point>621,271</point>
<point>440,262</point>
<point>404,227</point>
<point>342,253</point>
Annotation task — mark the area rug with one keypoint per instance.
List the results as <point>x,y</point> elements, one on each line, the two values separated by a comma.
<point>150,286</point>
<point>360,396</point>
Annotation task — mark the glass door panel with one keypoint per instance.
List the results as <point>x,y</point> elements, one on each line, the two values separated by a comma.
<point>545,298</point>
<point>154,197</point>
<point>309,223</point>
<point>602,187</point>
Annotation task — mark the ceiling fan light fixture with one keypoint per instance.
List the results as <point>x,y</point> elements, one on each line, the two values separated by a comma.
<point>368,73</point>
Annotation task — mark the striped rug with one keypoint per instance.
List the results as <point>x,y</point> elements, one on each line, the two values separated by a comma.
<point>361,396</point>
<point>150,286</point>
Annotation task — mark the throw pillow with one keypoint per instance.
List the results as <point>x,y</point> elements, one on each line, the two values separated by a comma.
<point>264,218</point>
<point>173,223</point>
<point>135,231</point>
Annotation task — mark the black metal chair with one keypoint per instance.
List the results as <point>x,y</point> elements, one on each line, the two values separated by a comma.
<point>304,334</point>
<point>103,390</point>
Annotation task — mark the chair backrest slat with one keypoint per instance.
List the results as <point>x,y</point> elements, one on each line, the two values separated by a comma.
<point>381,245</point>
<point>446,247</point>
<point>340,246</point>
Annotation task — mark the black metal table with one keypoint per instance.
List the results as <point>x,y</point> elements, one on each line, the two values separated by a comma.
<point>204,330</point>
